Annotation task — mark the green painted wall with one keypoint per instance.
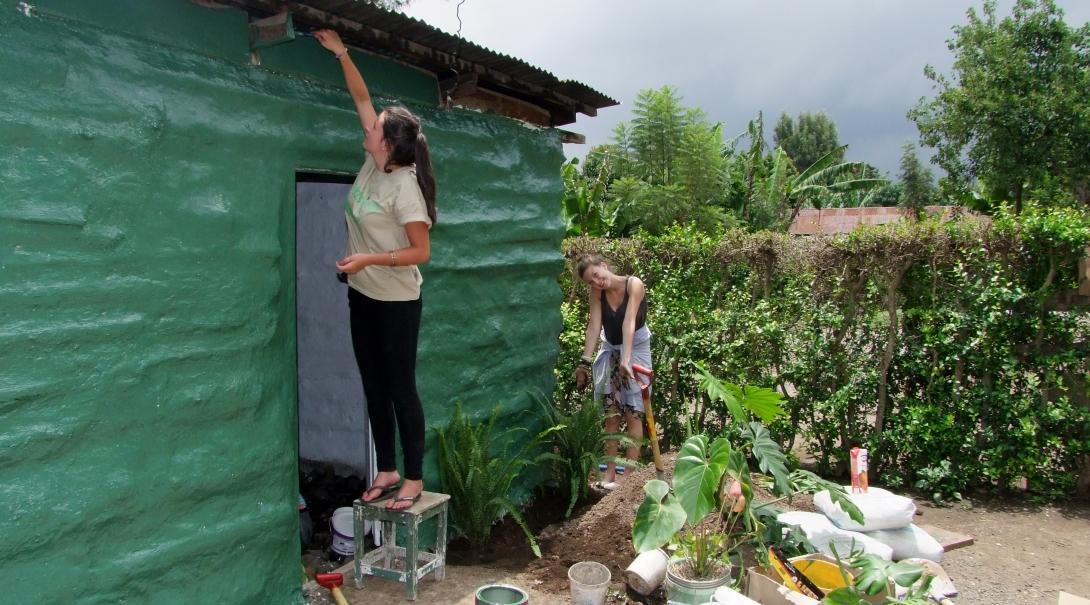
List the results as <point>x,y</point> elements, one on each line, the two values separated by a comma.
<point>147,384</point>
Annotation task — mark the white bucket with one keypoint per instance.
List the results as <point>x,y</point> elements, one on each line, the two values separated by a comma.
<point>589,583</point>
<point>341,531</point>
<point>647,571</point>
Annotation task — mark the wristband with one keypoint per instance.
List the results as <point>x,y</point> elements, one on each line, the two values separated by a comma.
<point>341,54</point>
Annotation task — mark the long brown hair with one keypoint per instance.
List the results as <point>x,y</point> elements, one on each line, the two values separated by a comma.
<point>588,260</point>
<point>409,146</point>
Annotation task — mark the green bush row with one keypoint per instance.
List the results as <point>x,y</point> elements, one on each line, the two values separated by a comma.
<point>941,346</point>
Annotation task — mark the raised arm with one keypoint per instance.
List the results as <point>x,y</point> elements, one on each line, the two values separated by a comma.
<point>331,41</point>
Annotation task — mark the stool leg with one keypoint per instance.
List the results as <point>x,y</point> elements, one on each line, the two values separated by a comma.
<point>441,544</point>
<point>360,542</point>
<point>389,541</point>
<point>411,563</point>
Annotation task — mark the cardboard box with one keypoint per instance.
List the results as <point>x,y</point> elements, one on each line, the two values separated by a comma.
<point>768,590</point>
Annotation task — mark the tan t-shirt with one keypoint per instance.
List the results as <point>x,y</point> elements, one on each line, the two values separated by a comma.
<point>378,207</point>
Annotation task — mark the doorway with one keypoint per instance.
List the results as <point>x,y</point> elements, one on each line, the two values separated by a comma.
<point>336,460</point>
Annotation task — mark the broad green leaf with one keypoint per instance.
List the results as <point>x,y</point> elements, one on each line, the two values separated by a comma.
<point>839,496</point>
<point>697,475</point>
<point>658,518</point>
<point>726,392</point>
<point>904,574</point>
<point>842,596</point>
<point>766,403</point>
<point>770,457</point>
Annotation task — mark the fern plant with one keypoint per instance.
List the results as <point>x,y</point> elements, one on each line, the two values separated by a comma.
<point>575,445</point>
<point>478,472</point>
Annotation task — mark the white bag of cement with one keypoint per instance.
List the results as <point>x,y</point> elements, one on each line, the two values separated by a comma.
<point>909,542</point>
<point>827,537</point>
<point>881,510</point>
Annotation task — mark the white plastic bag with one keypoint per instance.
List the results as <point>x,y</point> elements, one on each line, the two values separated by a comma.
<point>909,542</point>
<point>881,510</point>
<point>827,537</point>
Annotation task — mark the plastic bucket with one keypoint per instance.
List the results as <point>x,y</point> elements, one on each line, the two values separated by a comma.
<point>647,571</point>
<point>684,591</point>
<point>589,583</point>
<point>501,594</point>
<point>341,532</point>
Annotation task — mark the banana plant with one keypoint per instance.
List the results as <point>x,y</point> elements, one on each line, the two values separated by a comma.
<point>822,179</point>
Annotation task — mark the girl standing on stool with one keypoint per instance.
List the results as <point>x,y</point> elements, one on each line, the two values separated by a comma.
<point>618,310</point>
<point>389,211</point>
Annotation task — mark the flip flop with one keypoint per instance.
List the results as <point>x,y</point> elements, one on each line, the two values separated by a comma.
<point>410,499</point>
<point>384,492</point>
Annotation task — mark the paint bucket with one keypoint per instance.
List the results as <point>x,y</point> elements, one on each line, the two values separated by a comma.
<point>341,532</point>
<point>589,583</point>
<point>501,594</point>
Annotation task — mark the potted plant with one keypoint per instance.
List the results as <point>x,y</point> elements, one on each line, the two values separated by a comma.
<point>709,477</point>
<point>707,514</point>
<point>708,511</point>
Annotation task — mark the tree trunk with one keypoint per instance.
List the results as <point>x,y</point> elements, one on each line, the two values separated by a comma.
<point>892,302</point>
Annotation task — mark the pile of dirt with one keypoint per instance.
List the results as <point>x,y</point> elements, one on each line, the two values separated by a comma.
<point>507,546</point>
<point>603,533</point>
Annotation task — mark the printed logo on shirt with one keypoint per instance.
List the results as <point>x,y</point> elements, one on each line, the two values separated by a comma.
<point>358,201</point>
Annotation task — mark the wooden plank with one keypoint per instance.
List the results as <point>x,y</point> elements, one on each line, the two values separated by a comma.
<point>949,540</point>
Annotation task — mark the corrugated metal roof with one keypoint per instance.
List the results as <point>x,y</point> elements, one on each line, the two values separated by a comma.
<point>412,41</point>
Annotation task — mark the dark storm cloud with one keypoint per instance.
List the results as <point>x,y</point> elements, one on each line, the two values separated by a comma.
<point>859,61</point>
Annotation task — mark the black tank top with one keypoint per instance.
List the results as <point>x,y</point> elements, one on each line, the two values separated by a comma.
<point>612,321</point>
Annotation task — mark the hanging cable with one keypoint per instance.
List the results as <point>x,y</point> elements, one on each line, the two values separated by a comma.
<point>446,99</point>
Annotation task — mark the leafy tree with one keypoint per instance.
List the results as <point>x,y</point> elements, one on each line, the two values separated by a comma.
<point>808,139</point>
<point>667,166</point>
<point>749,166</point>
<point>583,206</point>
<point>917,189</point>
<point>656,133</point>
<point>1015,113</point>
<point>700,161</point>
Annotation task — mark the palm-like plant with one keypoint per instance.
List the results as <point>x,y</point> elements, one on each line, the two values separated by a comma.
<point>823,178</point>
<point>576,442</point>
<point>478,475</point>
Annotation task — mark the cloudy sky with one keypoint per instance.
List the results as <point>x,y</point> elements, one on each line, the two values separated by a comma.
<point>860,61</point>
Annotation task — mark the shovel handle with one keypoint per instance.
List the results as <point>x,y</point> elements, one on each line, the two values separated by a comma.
<point>637,368</point>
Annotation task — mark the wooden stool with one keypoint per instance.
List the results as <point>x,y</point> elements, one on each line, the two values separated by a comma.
<point>401,563</point>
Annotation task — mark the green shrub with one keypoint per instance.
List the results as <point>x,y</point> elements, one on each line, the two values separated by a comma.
<point>951,333</point>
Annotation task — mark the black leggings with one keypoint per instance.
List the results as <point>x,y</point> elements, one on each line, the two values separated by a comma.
<point>384,336</point>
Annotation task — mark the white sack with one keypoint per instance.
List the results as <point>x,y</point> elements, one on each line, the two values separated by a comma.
<point>826,537</point>
<point>909,542</point>
<point>881,510</point>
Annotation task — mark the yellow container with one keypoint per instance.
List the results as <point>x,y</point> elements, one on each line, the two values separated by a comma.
<point>823,573</point>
